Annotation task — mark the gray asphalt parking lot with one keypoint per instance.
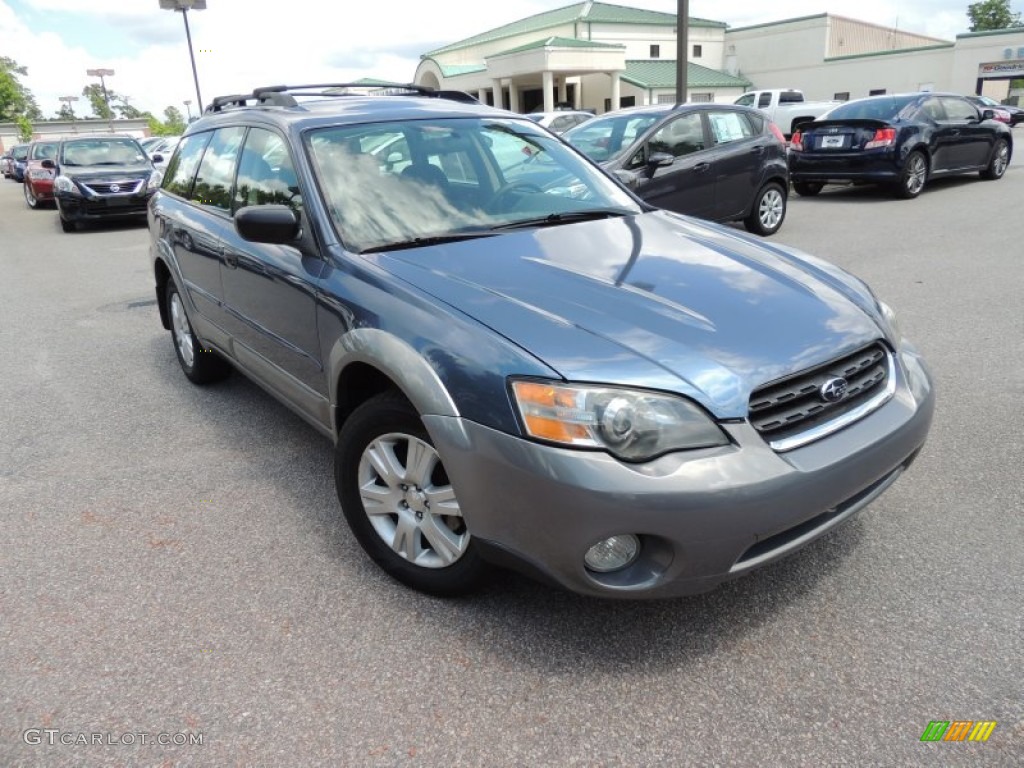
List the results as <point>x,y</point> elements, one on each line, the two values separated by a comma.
<point>174,560</point>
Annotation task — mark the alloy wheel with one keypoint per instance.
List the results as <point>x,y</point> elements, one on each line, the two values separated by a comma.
<point>182,331</point>
<point>771,208</point>
<point>917,171</point>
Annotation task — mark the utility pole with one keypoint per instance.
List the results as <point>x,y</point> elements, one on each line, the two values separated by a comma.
<point>682,35</point>
<point>101,74</point>
<point>183,7</point>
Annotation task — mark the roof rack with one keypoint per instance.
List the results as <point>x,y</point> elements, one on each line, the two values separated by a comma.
<point>284,95</point>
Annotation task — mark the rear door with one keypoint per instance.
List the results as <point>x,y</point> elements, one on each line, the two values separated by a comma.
<point>270,290</point>
<point>688,184</point>
<point>738,158</point>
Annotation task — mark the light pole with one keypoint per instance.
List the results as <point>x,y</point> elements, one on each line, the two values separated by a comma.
<point>682,33</point>
<point>183,7</point>
<point>188,106</point>
<point>68,100</point>
<point>102,73</point>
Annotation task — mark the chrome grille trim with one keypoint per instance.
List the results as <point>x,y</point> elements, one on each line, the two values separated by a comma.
<point>126,186</point>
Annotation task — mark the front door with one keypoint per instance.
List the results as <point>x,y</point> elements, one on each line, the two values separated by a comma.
<point>688,184</point>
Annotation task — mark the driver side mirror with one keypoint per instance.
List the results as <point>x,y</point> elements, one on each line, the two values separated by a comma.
<point>48,164</point>
<point>157,158</point>
<point>276,224</point>
<point>988,114</point>
<point>659,160</point>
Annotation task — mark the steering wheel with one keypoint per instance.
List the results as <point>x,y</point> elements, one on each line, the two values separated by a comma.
<point>503,195</point>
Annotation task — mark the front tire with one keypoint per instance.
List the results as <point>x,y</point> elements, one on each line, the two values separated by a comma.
<point>913,177</point>
<point>200,366</point>
<point>769,210</point>
<point>807,188</point>
<point>999,162</point>
<point>31,200</point>
<point>399,502</point>
<point>67,226</point>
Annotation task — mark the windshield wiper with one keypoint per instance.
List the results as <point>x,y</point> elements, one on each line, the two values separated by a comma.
<point>419,242</point>
<point>553,219</point>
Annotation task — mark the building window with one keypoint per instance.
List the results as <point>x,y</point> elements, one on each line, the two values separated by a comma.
<point>655,51</point>
<point>877,92</point>
<point>697,51</point>
<point>702,98</point>
<point>841,96</point>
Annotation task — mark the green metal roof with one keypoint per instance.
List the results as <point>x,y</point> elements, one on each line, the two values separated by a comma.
<point>557,42</point>
<point>989,32</point>
<point>592,12</point>
<point>661,73</point>
<point>375,81</point>
<point>890,52</point>
<point>454,70</point>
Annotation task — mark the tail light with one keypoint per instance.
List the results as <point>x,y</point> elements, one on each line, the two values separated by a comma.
<point>884,137</point>
<point>796,143</point>
<point>776,132</point>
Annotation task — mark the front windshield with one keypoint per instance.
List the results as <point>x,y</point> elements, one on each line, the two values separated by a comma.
<point>20,152</point>
<point>44,151</point>
<point>605,138</point>
<point>413,181</point>
<point>103,152</point>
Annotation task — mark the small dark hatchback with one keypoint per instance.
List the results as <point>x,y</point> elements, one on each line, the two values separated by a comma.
<point>549,374</point>
<point>900,141</point>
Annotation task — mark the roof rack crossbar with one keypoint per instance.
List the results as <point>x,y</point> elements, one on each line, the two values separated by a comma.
<point>284,95</point>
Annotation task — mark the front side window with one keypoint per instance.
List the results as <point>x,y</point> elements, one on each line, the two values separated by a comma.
<point>217,169</point>
<point>959,109</point>
<point>747,100</point>
<point>683,136</point>
<point>408,183</point>
<point>182,168</point>
<point>266,174</point>
<point>605,138</point>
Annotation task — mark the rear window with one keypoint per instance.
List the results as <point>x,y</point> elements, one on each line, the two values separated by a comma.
<point>882,108</point>
<point>791,97</point>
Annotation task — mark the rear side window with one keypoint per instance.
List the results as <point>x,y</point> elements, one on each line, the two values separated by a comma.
<point>729,126</point>
<point>266,174</point>
<point>764,100</point>
<point>217,169</point>
<point>182,168</point>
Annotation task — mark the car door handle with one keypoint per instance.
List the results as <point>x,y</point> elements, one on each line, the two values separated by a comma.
<point>701,167</point>
<point>231,260</point>
<point>757,150</point>
<point>955,132</point>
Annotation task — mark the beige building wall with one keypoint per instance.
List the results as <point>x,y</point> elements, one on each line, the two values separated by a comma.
<point>848,37</point>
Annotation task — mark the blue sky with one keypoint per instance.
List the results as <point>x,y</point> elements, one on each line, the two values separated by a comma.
<point>243,43</point>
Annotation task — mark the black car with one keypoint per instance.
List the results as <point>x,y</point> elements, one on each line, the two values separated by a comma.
<point>101,178</point>
<point>715,161</point>
<point>984,102</point>
<point>901,141</point>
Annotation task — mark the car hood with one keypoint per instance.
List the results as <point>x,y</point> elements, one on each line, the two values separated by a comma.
<point>655,300</point>
<point>87,172</point>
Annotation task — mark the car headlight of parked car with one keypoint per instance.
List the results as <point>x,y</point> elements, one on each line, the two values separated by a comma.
<point>40,173</point>
<point>631,425</point>
<point>155,180</point>
<point>66,185</point>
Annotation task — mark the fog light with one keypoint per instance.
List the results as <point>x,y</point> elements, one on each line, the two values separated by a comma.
<point>613,553</point>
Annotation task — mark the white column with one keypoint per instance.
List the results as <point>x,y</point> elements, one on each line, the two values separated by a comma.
<point>513,96</point>
<point>616,95</point>
<point>562,91</point>
<point>548,86</point>
<point>499,102</point>
<point>577,94</point>
<point>481,93</point>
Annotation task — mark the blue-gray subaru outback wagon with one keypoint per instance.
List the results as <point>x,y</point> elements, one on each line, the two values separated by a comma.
<point>519,362</point>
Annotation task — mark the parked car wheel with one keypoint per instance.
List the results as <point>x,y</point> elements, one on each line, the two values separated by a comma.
<point>67,226</point>
<point>201,366</point>
<point>769,210</point>
<point>1000,160</point>
<point>398,501</point>
<point>913,177</point>
<point>807,188</point>
<point>31,200</point>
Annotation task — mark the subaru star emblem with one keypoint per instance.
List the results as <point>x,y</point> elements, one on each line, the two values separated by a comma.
<point>833,390</point>
<point>115,188</point>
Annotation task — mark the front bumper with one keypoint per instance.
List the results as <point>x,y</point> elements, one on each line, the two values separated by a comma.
<point>703,517</point>
<point>80,208</point>
<point>41,188</point>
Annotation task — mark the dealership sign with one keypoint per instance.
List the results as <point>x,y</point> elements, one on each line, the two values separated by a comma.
<point>1002,69</point>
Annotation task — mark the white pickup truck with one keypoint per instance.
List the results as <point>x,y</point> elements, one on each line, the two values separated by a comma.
<point>786,107</point>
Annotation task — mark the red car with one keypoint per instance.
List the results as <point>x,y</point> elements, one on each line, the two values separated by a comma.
<point>39,180</point>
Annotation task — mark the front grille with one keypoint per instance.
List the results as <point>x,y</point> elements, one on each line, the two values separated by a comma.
<point>124,186</point>
<point>792,406</point>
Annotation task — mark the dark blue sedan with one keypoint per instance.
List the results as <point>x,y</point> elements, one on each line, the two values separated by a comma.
<point>901,141</point>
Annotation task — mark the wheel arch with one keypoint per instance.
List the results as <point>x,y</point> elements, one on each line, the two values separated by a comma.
<point>163,275</point>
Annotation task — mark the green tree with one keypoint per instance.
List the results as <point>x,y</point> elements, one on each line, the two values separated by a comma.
<point>25,129</point>
<point>65,112</point>
<point>992,14</point>
<point>174,120</point>
<point>94,92</point>
<point>15,98</point>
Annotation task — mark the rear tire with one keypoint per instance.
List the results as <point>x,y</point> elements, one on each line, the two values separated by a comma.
<point>769,210</point>
<point>1000,160</point>
<point>807,188</point>
<point>200,366</point>
<point>913,176</point>
<point>399,502</point>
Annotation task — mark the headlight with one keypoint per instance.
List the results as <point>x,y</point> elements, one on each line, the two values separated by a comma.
<point>40,173</point>
<point>893,327</point>
<point>66,185</point>
<point>155,180</point>
<point>629,424</point>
